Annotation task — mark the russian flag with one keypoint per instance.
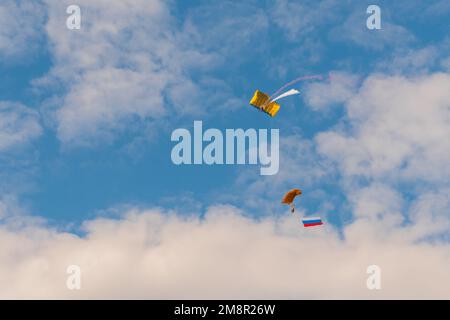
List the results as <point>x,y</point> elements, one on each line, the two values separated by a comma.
<point>312,221</point>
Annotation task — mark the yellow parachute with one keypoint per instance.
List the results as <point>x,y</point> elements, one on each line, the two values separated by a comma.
<point>260,100</point>
<point>264,103</point>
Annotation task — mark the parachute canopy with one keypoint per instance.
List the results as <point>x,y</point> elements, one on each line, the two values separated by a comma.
<point>261,101</point>
<point>290,196</point>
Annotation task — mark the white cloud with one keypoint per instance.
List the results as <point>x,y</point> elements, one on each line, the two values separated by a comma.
<point>431,206</point>
<point>154,254</point>
<point>416,61</point>
<point>340,87</point>
<point>105,100</point>
<point>18,125</point>
<point>21,26</point>
<point>391,152</point>
<point>398,129</point>
<point>113,67</point>
<point>376,203</point>
<point>119,69</point>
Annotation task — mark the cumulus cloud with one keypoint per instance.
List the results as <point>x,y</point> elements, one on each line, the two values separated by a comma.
<point>155,254</point>
<point>18,125</point>
<point>397,129</point>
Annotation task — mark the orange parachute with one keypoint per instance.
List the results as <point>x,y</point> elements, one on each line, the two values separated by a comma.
<point>290,196</point>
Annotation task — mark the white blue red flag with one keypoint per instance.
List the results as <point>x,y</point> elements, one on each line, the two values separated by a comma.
<point>312,221</point>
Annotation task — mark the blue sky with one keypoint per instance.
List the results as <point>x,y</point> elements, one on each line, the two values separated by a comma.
<point>90,112</point>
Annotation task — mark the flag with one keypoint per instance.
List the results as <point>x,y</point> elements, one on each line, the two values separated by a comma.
<point>312,221</point>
